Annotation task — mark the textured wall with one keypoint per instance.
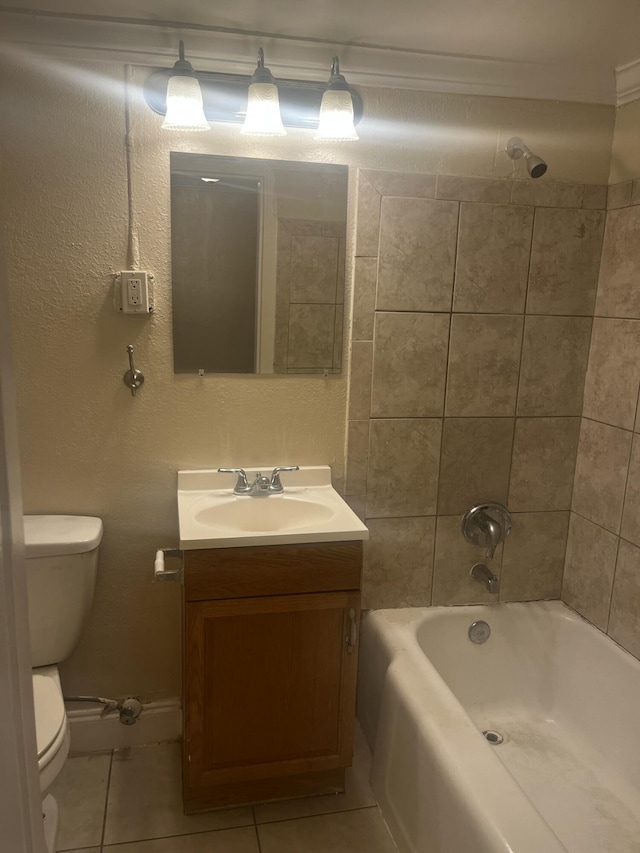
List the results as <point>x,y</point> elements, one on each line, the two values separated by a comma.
<point>471,325</point>
<point>625,154</point>
<point>87,446</point>
<point>602,573</point>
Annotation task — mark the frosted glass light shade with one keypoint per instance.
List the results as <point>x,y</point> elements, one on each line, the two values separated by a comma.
<point>184,105</point>
<point>263,111</point>
<point>336,116</point>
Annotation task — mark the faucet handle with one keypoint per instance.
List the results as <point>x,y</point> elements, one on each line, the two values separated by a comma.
<point>487,524</point>
<point>276,485</point>
<point>242,485</point>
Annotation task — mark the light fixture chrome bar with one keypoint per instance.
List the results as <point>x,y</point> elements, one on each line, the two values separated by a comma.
<point>225,98</point>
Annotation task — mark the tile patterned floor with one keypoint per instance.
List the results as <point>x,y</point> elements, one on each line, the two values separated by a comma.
<point>129,801</point>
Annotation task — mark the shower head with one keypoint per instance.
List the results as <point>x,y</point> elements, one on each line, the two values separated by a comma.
<point>516,148</point>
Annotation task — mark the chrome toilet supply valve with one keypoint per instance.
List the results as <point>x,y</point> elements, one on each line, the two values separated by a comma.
<point>133,378</point>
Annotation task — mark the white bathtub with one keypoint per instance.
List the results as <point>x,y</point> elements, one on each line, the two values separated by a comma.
<point>563,695</point>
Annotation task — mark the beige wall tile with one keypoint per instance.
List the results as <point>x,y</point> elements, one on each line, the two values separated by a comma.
<point>635,192</point>
<point>547,194</point>
<point>484,360</point>
<point>403,467</point>
<point>595,196</point>
<point>364,298</point>
<point>360,380</point>
<point>358,504</point>
<point>473,189</point>
<point>533,558</point>
<point>619,195</point>
<point>618,293</point>
<point>601,472</point>
<point>630,528</point>
<point>338,338</point>
<point>357,460</point>
<point>409,365</point>
<point>311,332</point>
<point>565,258</point>
<point>476,456</point>
<point>624,622</point>
<point>613,375</point>
<point>314,269</point>
<point>408,184</point>
<point>588,571</point>
<point>454,559</point>
<point>367,218</point>
<point>398,562</point>
<point>554,360</point>
<point>544,459</point>
<point>494,243</point>
<point>417,253</point>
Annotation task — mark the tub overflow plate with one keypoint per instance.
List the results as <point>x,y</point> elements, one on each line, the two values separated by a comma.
<point>479,632</point>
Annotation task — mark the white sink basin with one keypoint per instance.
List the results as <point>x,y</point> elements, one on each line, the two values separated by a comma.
<point>309,510</point>
<point>254,515</point>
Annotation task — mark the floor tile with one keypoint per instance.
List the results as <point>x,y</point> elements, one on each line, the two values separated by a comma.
<point>225,841</point>
<point>357,795</point>
<point>145,798</point>
<point>81,793</point>
<point>362,831</point>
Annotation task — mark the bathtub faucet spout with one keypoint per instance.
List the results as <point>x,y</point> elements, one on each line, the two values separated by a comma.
<point>486,577</point>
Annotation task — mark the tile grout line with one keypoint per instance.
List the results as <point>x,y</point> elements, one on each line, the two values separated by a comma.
<point>106,804</point>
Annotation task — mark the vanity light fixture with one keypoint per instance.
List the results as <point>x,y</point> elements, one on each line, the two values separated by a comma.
<point>336,110</point>
<point>330,110</point>
<point>263,105</point>
<point>184,98</point>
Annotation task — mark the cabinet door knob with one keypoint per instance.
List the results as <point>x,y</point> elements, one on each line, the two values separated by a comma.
<point>352,636</point>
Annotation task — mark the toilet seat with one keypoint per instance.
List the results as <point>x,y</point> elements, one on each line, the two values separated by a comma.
<point>50,715</point>
<point>52,727</point>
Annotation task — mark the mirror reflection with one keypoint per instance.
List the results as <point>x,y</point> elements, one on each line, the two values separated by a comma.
<point>258,256</point>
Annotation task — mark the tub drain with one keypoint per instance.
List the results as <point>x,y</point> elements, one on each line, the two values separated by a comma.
<point>494,738</point>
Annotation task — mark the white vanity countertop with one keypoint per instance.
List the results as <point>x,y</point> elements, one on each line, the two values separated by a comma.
<point>309,510</point>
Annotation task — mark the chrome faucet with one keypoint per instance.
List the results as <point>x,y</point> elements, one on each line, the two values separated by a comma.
<point>487,524</point>
<point>485,576</point>
<point>262,486</point>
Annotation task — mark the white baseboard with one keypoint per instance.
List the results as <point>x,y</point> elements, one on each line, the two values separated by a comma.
<point>159,722</point>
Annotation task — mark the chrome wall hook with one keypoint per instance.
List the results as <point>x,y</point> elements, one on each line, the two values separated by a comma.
<point>133,378</point>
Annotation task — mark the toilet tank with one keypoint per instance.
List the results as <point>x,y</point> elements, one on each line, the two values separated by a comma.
<point>61,562</point>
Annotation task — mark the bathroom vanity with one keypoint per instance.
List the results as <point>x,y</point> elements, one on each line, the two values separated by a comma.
<point>270,639</point>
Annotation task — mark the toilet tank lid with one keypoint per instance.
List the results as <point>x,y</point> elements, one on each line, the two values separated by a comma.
<point>50,535</point>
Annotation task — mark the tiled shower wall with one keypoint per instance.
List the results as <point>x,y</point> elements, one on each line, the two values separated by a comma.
<point>602,574</point>
<point>473,304</point>
<point>309,296</point>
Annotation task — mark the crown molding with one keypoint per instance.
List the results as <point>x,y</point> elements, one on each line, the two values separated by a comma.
<point>154,44</point>
<point>628,82</point>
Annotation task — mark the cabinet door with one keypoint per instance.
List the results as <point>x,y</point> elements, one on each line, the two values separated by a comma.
<point>269,691</point>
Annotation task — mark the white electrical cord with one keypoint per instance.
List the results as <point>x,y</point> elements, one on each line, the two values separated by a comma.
<point>133,246</point>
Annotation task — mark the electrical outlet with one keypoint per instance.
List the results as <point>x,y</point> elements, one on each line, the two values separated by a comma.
<point>133,292</point>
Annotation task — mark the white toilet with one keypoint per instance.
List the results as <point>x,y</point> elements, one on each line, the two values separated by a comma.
<point>61,559</point>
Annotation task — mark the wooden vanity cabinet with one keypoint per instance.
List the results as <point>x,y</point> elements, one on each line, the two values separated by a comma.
<point>270,663</point>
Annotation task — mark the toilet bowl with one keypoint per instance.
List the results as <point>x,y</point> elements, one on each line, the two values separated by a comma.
<point>52,726</point>
<point>61,564</point>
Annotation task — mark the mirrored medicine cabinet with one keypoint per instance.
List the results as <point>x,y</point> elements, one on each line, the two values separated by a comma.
<point>258,260</point>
